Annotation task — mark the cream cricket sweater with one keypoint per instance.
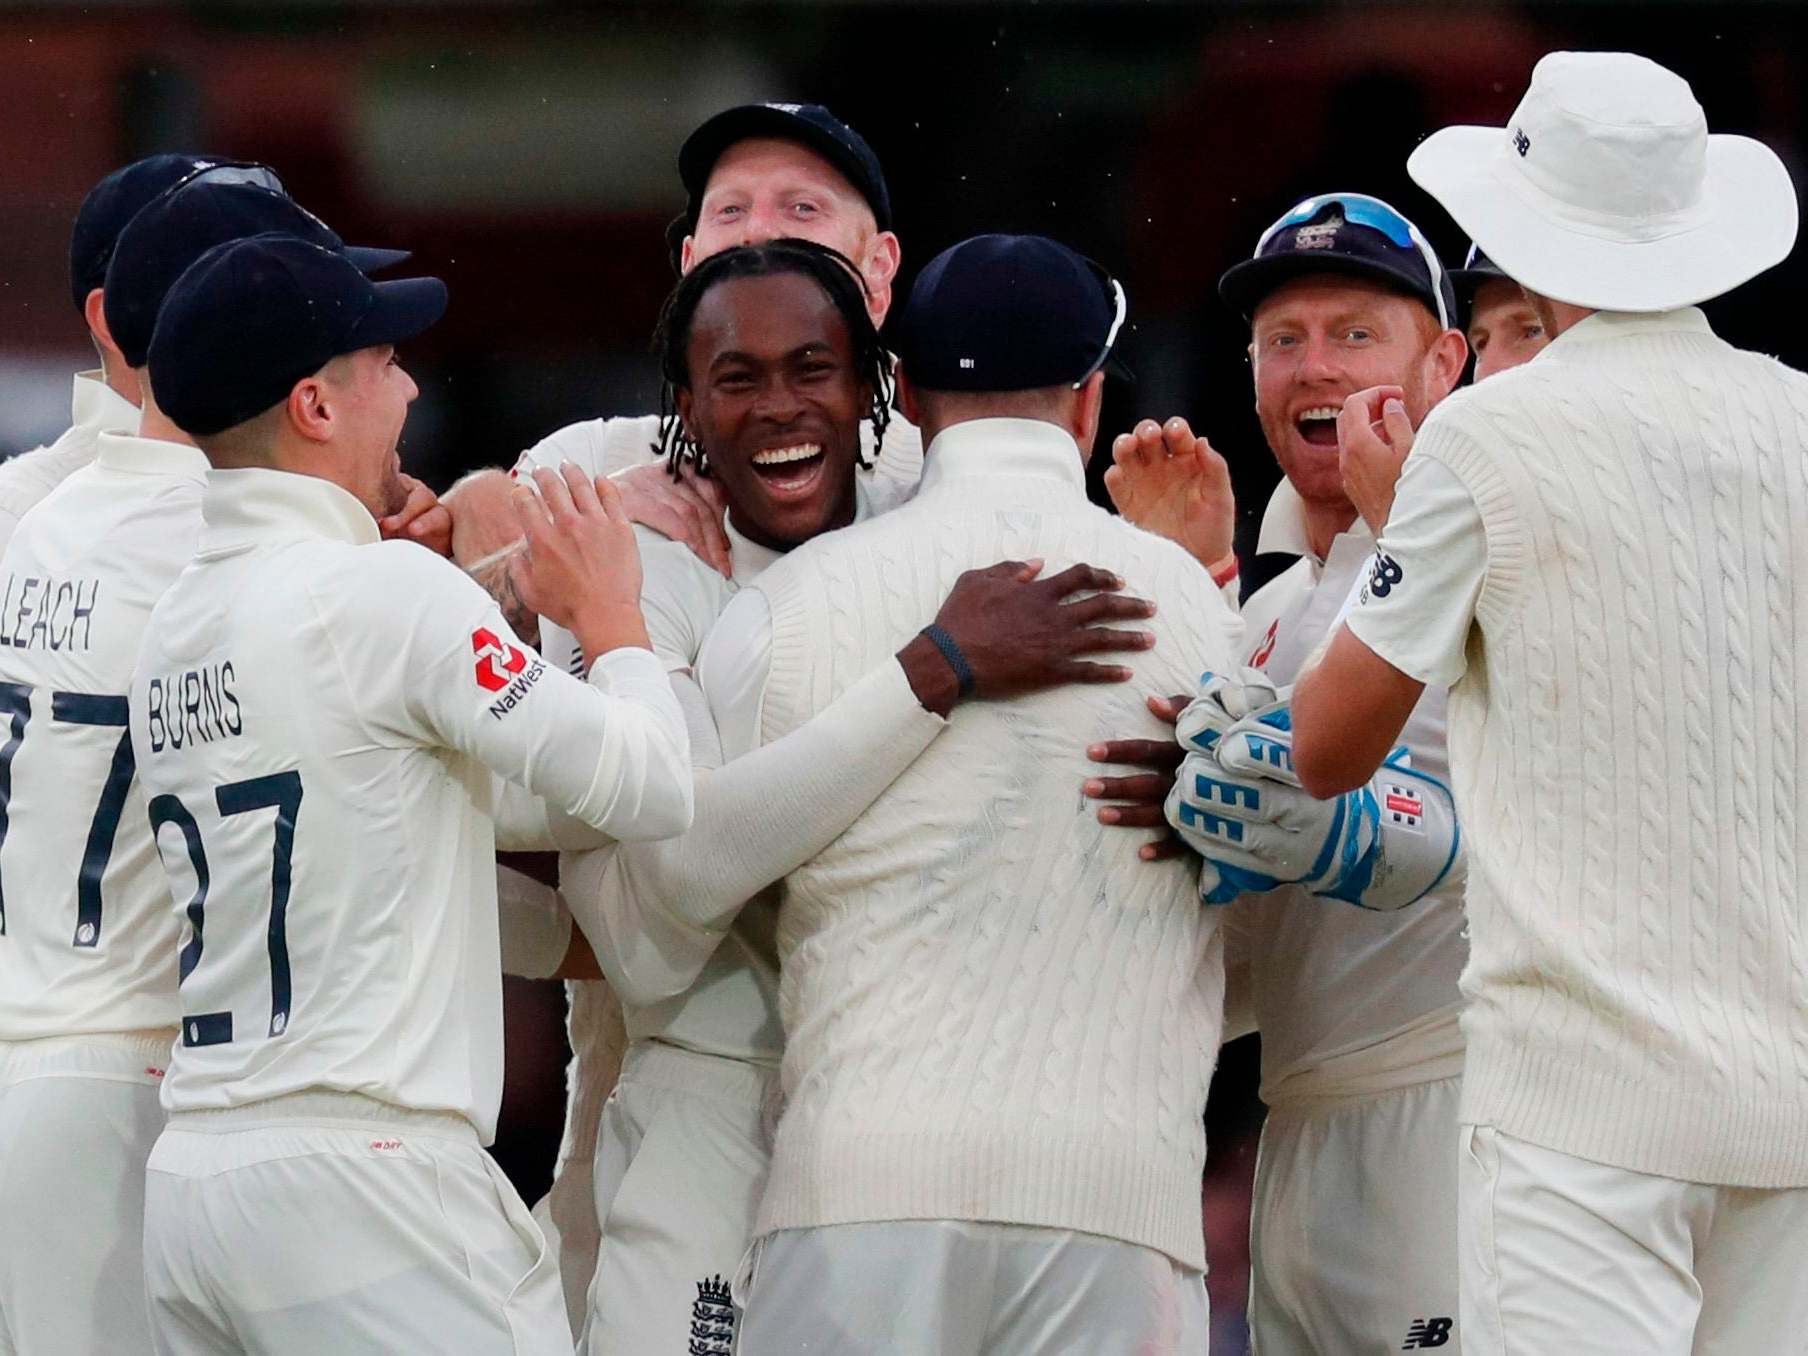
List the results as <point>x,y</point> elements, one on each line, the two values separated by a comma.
<point>993,1010</point>
<point>1629,751</point>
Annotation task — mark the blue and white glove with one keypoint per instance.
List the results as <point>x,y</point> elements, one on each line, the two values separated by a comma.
<point>1237,802</point>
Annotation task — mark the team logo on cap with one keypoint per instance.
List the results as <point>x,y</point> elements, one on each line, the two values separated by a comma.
<point>497,663</point>
<point>1319,237</point>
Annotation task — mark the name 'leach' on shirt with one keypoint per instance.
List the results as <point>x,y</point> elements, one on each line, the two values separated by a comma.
<point>38,612</point>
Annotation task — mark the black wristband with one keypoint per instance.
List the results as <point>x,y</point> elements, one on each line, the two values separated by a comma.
<point>963,671</point>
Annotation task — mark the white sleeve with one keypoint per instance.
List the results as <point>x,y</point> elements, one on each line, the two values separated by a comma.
<point>680,597</point>
<point>733,669</point>
<point>611,754</point>
<point>601,447</point>
<point>534,924</point>
<point>654,912</point>
<point>636,796</point>
<point>1415,605</point>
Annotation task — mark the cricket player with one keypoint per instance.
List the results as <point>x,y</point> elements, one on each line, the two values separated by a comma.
<point>1499,321</point>
<point>752,173</point>
<point>88,1004</point>
<point>1358,1008</point>
<point>773,364</point>
<point>1601,552</point>
<point>106,398</point>
<point>333,734</point>
<point>999,1023</point>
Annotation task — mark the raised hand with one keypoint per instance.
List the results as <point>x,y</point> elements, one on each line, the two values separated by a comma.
<point>581,567</point>
<point>423,518</point>
<point>690,510</point>
<point>1167,480</point>
<point>1374,434</point>
<point>1015,633</point>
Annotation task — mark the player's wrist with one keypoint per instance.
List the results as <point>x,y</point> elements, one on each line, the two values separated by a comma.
<point>1225,569</point>
<point>603,627</point>
<point>930,675</point>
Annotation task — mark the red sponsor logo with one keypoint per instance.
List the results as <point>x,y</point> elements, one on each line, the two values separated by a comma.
<point>1265,651</point>
<point>386,1144</point>
<point>153,1071</point>
<point>497,661</point>
<point>1405,805</point>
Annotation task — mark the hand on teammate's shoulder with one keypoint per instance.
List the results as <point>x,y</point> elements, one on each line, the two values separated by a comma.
<point>581,567</point>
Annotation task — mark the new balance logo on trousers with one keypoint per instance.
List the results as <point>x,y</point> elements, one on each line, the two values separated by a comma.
<point>1427,1332</point>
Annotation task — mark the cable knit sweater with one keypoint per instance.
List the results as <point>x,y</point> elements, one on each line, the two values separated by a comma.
<point>1629,751</point>
<point>993,1009</point>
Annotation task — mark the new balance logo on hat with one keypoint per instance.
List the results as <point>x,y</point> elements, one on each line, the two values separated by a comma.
<point>1428,1332</point>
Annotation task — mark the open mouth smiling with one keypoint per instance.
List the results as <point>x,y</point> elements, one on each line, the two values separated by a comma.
<point>791,470</point>
<point>1318,425</point>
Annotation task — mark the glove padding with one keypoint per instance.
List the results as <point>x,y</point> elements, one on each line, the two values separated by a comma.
<point>1238,803</point>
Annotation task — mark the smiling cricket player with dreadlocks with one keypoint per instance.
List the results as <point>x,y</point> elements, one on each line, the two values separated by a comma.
<point>771,363</point>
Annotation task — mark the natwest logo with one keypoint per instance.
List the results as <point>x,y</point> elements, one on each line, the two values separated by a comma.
<point>497,662</point>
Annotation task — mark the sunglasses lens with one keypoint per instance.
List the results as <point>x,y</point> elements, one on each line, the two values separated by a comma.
<point>1376,216</point>
<point>259,176</point>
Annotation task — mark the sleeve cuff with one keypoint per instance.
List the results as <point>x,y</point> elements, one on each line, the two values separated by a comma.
<point>627,665</point>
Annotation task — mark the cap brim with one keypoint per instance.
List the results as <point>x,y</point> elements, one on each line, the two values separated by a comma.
<point>368,259</point>
<point>403,308</point>
<point>1750,226</point>
<point>1244,285</point>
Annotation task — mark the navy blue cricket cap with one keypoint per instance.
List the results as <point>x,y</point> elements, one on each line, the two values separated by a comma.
<point>172,232</point>
<point>809,125</point>
<point>252,317</point>
<point>1009,313</point>
<point>1477,269</point>
<point>115,200</point>
<point>1348,233</point>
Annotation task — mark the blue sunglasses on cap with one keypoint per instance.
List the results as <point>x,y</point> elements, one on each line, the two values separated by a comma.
<point>1362,210</point>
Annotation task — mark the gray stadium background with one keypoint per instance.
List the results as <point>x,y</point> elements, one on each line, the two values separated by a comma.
<point>524,150</point>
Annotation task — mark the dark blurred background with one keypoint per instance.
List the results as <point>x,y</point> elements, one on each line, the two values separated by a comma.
<point>524,150</point>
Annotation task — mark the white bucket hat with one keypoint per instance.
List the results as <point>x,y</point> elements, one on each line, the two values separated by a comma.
<point>1606,191</point>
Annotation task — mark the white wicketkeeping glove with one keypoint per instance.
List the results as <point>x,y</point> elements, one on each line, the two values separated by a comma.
<point>1237,802</point>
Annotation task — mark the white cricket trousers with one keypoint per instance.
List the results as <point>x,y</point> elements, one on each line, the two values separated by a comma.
<point>1563,1255</point>
<point>78,1116</point>
<point>681,1158</point>
<point>1353,1226</point>
<point>329,1222</point>
<point>952,1288</point>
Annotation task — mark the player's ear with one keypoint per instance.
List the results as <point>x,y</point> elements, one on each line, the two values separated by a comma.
<point>687,254</point>
<point>909,404</point>
<point>1445,362</point>
<point>879,267</point>
<point>681,403</point>
<point>1086,413</point>
<point>310,411</point>
<point>94,311</point>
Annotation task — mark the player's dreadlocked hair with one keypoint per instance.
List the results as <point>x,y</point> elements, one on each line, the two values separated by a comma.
<point>831,270</point>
